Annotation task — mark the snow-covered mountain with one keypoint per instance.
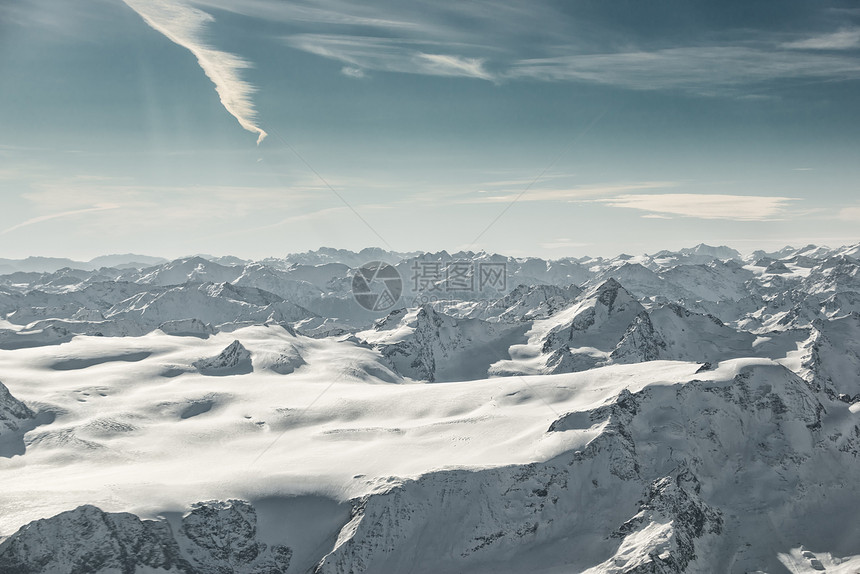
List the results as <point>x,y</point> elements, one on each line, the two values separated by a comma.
<point>583,335</point>
<point>687,411</point>
<point>190,270</point>
<point>53,264</point>
<point>653,470</point>
<point>670,332</point>
<point>598,320</point>
<point>833,359</point>
<point>833,275</point>
<point>214,303</point>
<point>531,302</point>
<point>426,345</point>
<point>642,282</point>
<point>715,281</point>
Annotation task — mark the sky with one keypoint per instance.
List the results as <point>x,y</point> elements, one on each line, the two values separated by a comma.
<point>258,128</point>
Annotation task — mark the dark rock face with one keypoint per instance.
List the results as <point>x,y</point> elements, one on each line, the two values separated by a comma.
<point>187,328</point>
<point>16,418</point>
<point>235,359</point>
<point>221,537</point>
<point>12,412</point>
<point>641,342</point>
<point>674,501</point>
<point>214,538</point>
<point>87,540</point>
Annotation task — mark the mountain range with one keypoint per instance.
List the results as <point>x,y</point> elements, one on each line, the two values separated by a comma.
<point>688,411</point>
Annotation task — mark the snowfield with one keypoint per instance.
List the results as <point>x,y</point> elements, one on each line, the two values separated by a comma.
<point>190,420</point>
<point>133,430</point>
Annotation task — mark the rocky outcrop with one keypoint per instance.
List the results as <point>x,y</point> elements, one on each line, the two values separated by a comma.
<point>235,359</point>
<point>214,538</point>
<point>426,345</point>
<point>641,342</point>
<point>221,538</point>
<point>671,332</point>
<point>16,418</point>
<point>187,328</point>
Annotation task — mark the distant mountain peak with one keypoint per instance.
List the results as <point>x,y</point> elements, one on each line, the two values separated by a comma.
<point>719,252</point>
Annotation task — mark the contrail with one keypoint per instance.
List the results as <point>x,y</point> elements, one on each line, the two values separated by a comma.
<point>184,26</point>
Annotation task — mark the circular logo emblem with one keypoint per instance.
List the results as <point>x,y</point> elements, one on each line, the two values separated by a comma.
<point>376,286</point>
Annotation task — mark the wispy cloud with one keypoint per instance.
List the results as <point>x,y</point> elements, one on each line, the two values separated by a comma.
<point>458,39</point>
<point>565,194</point>
<point>563,243</point>
<point>841,40</point>
<point>51,216</point>
<point>705,206</point>
<point>185,26</point>
<point>706,70</point>
<point>851,213</point>
<point>333,12</point>
<point>442,65</point>
<point>389,55</point>
<point>9,173</point>
<point>352,72</point>
<point>159,205</point>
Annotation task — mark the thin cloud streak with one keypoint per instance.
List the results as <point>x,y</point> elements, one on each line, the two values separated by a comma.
<point>335,13</point>
<point>389,55</point>
<point>706,206</point>
<point>569,194</point>
<point>705,70</point>
<point>184,25</point>
<point>563,243</point>
<point>841,40</point>
<point>43,218</point>
<point>443,65</point>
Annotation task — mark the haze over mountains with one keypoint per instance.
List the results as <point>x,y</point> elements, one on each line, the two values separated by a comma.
<point>686,411</point>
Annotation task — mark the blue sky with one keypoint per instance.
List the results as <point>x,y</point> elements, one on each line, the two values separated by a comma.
<point>261,127</point>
